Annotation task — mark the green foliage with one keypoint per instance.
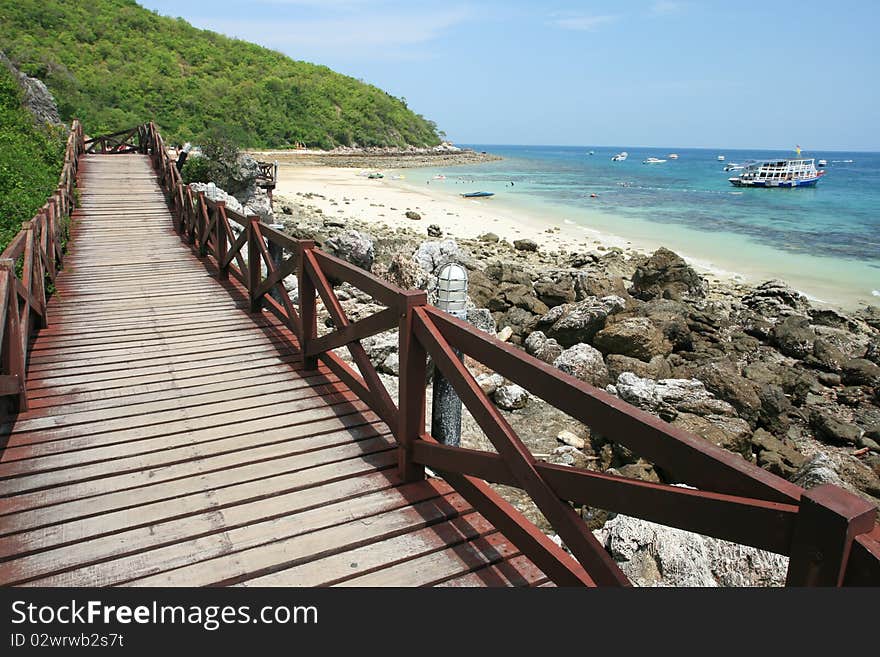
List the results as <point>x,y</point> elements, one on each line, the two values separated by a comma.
<point>115,64</point>
<point>31,158</point>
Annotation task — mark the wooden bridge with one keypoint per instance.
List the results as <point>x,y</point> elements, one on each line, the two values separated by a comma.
<point>174,419</point>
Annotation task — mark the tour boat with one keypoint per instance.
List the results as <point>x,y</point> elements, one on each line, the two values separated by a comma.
<point>620,157</point>
<point>478,194</point>
<point>653,160</point>
<point>779,173</point>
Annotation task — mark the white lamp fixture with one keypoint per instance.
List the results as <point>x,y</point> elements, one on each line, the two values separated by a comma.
<point>452,289</point>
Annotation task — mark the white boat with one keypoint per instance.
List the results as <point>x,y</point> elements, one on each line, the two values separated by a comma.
<point>591,153</point>
<point>779,173</point>
<point>822,163</point>
<point>673,156</point>
<point>653,160</point>
<point>721,158</point>
<point>620,157</point>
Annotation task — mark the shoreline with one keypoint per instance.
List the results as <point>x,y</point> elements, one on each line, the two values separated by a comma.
<point>347,192</point>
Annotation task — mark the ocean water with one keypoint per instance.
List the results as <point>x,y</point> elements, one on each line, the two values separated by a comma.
<point>824,240</point>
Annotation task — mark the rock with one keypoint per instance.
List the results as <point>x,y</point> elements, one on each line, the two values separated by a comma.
<point>598,284</point>
<point>794,337</point>
<point>435,231</point>
<point>379,347</point>
<point>430,255</point>
<point>505,333</point>
<point>334,222</point>
<point>38,100</point>
<point>482,319</point>
<point>411,214</point>
<point>354,247</point>
<point>286,209</point>
<point>489,383</point>
<point>521,321</point>
<point>391,364</point>
<point>820,469</point>
<point>775,408</point>
<point>826,356</point>
<point>774,299</point>
<point>522,297</point>
<point>511,396</point>
<point>833,430</point>
<point>542,347</point>
<point>723,379</point>
<point>658,397</point>
<point>525,245</point>
<point>775,455</point>
<point>731,433</point>
<point>656,555</point>
<point>666,275</point>
<point>656,368</point>
<point>572,323</point>
<point>640,470</point>
<point>569,438</point>
<point>403,272</point>
<point>583,362</point>
<point>872,353</point>
<point>491,238</point>
<point>506,272</point>
<point>568,455</point>
<point>480,288</point>
<point>554,293</point>
<point>636,337</point>
<point>861,372</point>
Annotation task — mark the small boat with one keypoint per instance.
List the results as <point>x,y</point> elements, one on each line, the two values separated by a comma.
<point>440,176</point>
<point>779,173</point>
<point>673,156</point>
<point>375,175</point>
<point>822,163</point>
<point>653,160</point>
<point>591,153</point>
<point>720,158</point>
<point>620,157</point>
<point>478,194</point>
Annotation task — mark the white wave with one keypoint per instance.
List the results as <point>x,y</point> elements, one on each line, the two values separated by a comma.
<point>568,221</point>
<point>876,293</point>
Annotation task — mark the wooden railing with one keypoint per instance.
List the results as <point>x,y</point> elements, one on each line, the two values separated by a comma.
<point>27,267</point>
<point>830,535</point>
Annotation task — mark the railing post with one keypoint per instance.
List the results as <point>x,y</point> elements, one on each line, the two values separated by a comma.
<point>307,307</point>
<point>220,244</point>
<point>203,215</point>
<point>828,520</point>
<point>411,394</point>
<point>255,270</point>
<point>276,255</point>
<point>11,347</point>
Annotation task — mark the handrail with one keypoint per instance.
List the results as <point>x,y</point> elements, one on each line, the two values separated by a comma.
<point>829,534</point>
<point>37,251</point>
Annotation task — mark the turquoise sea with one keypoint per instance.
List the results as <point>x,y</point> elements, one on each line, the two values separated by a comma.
<point>824,240</point>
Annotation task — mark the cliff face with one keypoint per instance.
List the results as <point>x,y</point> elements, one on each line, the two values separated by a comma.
<point>37,98</point>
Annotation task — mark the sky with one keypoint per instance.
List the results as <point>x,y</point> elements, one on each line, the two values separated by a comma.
<point>664,73</point>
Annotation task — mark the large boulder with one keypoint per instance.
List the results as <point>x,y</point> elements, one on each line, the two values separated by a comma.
<point>665,274</point>
<point>542,347</point>
<point>583,362</point>
<point>832,429</point>
<point>730,433</point>
<point>861,372</point>
<point>794,337</point>
<point>775,455</point>
<point>37,97</point>
<point>433,254</point>
<point>511,397</point>
<point>656,555</point>
<point>636,337</point>
<point>555,292</point>
<point>572,323</point>
<point>659,397</point>
<point>354,247</point>
<point>657,368</point>
<point>774,299</point>
<point>724,380</point>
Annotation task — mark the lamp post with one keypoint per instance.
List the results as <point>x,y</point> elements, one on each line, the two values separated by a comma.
<point>446,414</point>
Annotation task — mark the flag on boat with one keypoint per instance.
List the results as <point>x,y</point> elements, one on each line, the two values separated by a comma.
<point>797,150</point>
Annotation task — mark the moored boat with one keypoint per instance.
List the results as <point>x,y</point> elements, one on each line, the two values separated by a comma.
<point>653,160</point>
<point>822,163</point>
<point>620,157</point>
<point>720,158</point>
<point>478,194</point>
<point>673,156</point>
<point>779,173</point>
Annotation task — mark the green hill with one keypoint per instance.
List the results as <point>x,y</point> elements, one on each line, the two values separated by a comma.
<point>30,159</point>
<point>115,64</point>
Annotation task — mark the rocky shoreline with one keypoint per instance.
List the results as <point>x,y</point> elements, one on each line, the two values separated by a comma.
<point>380,158</point>
<point>757,370</point>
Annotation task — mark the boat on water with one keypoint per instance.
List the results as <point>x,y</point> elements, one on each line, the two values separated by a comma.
<point>779,173</point>
<point>478,194</point>
<point>653,160</point>
<point>672,156</point>
<point>720,158</point>
<point>822,163</point>
<point>375,175</point>
<point>591,153</point>
<point>620,157</point>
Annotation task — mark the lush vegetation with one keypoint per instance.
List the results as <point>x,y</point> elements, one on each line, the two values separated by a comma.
<point>218,163</point>
<point>115,64</point>
<point>31,158</point>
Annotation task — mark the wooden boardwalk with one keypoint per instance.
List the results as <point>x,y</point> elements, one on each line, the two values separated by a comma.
<point>174,438</point>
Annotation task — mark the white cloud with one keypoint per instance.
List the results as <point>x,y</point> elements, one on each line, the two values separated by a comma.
<point>665,7</point>
<point>581,22</point>
<point>353,35</point>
